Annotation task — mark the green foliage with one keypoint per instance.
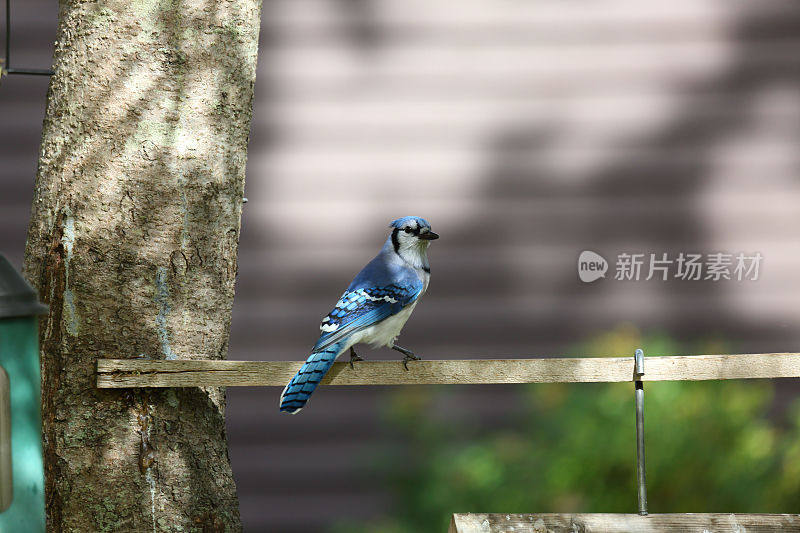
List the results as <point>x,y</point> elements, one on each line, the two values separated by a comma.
<point>571,448</point>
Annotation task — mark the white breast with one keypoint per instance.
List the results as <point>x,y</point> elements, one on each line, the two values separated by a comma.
<point>386,331</point>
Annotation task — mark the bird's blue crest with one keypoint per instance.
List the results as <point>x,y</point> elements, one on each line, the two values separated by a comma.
<point>400,222</point>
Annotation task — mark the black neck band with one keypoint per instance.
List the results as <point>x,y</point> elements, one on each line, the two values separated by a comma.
<point>395,241</point>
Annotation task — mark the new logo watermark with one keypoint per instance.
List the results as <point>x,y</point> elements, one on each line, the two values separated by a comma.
<point>717,266</point>
<point>591,266</point>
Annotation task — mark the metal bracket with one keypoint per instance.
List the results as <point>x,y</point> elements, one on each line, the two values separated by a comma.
<point>638,372</point>
<point>6,68</point>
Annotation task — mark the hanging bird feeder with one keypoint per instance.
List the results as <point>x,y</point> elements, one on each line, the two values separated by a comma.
<point>21,469</point>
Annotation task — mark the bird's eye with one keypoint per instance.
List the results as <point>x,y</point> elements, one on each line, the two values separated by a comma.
<point>407,230</point>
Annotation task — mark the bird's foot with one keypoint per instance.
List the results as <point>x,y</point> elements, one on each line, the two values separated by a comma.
<point>408,355</point>
<point>354,357</point>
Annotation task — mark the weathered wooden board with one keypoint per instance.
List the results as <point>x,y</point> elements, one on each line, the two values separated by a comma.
<point>124,373</point>
<point>619,523</point>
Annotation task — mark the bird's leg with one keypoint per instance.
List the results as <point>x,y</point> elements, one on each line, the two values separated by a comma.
<point>354,357</point>
<point>409,355</point>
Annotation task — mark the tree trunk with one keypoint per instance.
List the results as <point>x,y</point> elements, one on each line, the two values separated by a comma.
<point>133,242</point>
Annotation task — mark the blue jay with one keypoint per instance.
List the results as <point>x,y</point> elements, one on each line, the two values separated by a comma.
<point>372,310</point>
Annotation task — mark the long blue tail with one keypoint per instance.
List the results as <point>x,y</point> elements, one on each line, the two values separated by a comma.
<point>299,389</point>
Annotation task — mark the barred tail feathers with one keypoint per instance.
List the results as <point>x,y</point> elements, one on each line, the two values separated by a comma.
<point>298,391</point>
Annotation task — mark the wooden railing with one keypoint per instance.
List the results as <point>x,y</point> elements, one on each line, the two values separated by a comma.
<point>623,523</point>
<point>126,373</point>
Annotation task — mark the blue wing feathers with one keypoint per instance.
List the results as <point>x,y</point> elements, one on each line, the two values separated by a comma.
<point>355,310</point>
<point>363,307</point>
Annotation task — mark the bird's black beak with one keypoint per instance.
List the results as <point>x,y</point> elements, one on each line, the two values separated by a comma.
<point>428,236</point>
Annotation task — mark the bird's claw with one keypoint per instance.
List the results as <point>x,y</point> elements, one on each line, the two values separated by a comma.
<point>409,357</point>
<point>354,357</point>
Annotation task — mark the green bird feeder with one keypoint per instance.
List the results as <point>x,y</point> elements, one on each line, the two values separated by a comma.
<point>21,467</point>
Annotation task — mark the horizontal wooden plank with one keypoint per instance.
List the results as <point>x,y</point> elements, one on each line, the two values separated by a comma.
<point>628,523</point>
<point>124,373</point>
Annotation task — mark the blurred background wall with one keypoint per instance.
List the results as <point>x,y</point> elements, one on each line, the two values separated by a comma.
<point>525,132</point>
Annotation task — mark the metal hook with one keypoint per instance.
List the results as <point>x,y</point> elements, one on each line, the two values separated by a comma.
<point>638,372</point>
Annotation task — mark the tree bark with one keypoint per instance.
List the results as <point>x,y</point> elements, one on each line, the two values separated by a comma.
<point>133,243</point>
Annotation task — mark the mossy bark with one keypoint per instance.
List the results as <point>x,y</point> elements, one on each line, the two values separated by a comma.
<point>133,243</point>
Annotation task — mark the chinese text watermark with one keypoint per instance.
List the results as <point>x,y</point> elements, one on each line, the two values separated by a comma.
<point>717,266</point>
